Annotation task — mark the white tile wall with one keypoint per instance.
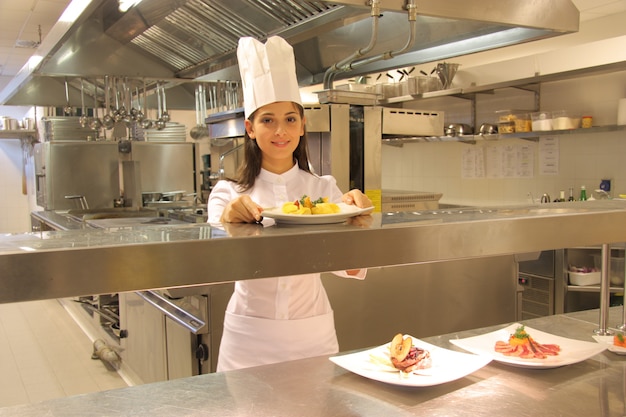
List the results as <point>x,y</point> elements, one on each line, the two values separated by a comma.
<point>584,159</point>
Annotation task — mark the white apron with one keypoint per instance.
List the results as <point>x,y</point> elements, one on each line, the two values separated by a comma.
<point>252,341</point>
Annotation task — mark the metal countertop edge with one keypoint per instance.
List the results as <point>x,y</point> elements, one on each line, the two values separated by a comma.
<point>96,270</point>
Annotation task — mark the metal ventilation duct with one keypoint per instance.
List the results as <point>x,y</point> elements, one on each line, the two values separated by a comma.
<point>180,40</point>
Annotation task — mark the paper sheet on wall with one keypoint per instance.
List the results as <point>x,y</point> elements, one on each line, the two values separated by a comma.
<point>510,161</point>
<point>548,156</point>
<point>473,162</point>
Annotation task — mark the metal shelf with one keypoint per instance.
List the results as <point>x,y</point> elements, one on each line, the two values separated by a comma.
<point>530,83</point>
<point>593,288</point>
<point>532,136</point>
<point>18,134</point>
<point>537,135</point>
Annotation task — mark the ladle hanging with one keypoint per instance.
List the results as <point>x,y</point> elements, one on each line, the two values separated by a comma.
<point>165,115</point>
<point>83,120</point>
<point>146,123</point>
<point>107,119</point>
<point>160,122</point>
<point>68,107</point>
<point>95,123</point>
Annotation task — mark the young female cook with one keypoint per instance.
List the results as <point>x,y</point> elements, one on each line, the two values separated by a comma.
<point>285,318</point>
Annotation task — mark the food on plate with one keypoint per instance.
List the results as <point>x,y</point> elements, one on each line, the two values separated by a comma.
<point>582,269</point>
<point>406,357</point>
<point>619,340</point>
<point>307,206</point>
<point>522,345</point>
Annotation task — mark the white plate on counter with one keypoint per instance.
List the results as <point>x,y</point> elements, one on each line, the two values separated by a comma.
<point>572,351</point>
<point>447,365</point>
<point>346,211</point>
<point>608,340</point>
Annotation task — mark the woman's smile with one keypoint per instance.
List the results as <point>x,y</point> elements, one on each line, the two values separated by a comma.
<point>276,128</point>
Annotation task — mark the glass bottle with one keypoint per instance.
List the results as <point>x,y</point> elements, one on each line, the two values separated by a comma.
<point>583,193</point>
<point>571,194</point>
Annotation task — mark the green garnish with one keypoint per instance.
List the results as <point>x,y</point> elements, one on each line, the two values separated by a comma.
<point>620,337</point>
<point>520,333</point>
<point>313,202</point>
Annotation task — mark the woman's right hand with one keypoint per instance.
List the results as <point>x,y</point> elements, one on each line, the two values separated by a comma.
<point>242,210</point>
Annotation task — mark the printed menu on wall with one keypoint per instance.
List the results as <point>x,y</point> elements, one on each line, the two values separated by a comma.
<point>499,161</point>
<point>548,156</point>
<point>473,162</point>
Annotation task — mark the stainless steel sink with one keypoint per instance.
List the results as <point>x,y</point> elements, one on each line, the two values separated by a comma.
<point>111,213</point>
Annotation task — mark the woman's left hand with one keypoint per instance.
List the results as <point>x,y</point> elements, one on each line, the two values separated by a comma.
<point>357,198</point>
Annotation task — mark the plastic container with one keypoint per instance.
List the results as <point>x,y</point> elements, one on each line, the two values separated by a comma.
<point>541,121</point>
<point>511,121</point>
<point>506,127</point>
<point>562,120</point>
<point>584,278</point>
<point>617,268</point>
<point>426,84</point>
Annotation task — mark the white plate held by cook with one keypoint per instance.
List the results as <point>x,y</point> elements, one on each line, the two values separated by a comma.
<point>447,365</point>
<point>572,351</point>
<point>346,211</point>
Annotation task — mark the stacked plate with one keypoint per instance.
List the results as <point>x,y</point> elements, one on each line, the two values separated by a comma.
<point>65,128</point>
<point>173,132</point>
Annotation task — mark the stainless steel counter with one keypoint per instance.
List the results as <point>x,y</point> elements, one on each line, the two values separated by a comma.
<point>85,261</point>
<point>317,387</point>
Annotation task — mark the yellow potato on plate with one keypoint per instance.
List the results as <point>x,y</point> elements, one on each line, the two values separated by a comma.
<point>325,208</point>
<point>290,208</point>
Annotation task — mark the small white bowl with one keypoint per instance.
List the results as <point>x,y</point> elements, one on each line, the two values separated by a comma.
<point>580,278</point>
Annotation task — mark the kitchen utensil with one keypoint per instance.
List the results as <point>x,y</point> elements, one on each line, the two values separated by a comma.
<point>107,119</point>
<point>83,120</point>
<point>138,114</point>
<point>160,122</point>
<point>458,129</point>
<point>95,123</point>
<point>164,115</point>
<point>200,130</point>
<point>446,72</point>
<point>146,123</point>
<point>488,129</point>
<point>28,123</point>
<point>68,108</point>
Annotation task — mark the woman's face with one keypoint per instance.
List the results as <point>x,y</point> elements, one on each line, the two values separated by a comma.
<point>277,128</point>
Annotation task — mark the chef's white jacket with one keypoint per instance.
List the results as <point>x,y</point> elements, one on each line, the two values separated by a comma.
<point>292,308</point>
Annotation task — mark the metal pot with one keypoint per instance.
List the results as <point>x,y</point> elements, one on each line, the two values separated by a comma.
<point>458,129</point>
<point>488,129</point>
<point>9,123</point>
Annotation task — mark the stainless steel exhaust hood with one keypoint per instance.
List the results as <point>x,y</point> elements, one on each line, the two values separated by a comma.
<point>183,40</point>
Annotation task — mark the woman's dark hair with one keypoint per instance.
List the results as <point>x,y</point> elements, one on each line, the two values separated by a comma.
<point>251,166</point>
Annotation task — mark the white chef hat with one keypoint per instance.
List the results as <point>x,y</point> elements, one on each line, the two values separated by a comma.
<point>268,73</point>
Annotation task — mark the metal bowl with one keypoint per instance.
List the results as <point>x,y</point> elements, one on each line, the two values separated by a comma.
<point>458,129</point>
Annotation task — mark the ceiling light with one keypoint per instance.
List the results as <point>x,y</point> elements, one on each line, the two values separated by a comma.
<point>73,10</point>
<point>124,5</point>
